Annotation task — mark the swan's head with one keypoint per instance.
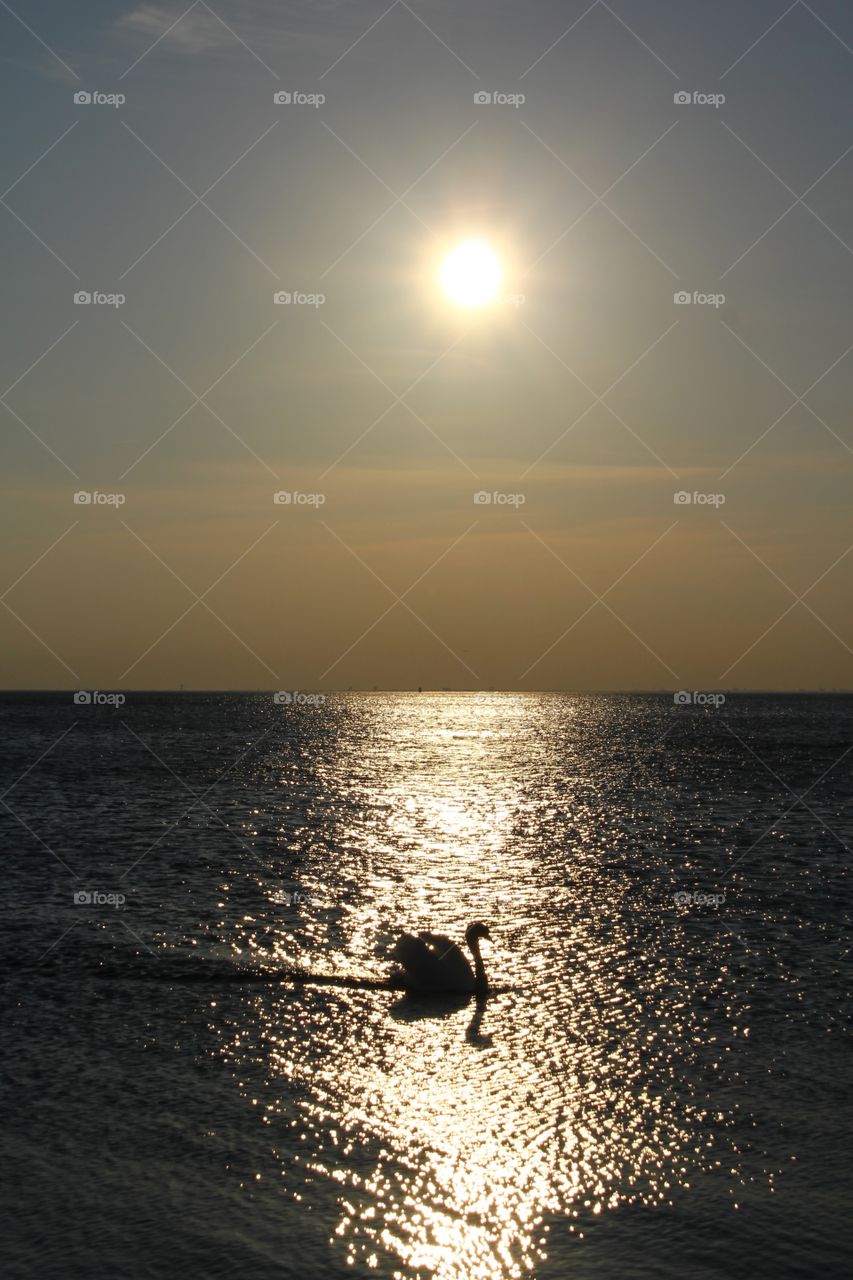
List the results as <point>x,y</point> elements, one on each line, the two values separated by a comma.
<point>476,931</point>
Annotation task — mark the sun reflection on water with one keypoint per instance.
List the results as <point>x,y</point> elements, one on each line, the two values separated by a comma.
<point>456,1139</point>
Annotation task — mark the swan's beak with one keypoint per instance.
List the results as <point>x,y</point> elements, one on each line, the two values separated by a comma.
<point>486,933</point>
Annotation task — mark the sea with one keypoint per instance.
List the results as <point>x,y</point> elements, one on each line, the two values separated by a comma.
<point>203,1074</point>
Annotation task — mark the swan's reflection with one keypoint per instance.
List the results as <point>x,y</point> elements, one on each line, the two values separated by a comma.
<point>452,1134</point>
<point>473,1034</point>
<point>417,1008</point>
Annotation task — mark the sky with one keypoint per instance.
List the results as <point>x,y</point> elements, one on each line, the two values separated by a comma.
<point>588,483</point>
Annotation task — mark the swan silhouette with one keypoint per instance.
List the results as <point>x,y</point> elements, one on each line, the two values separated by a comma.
<point>431,962</point>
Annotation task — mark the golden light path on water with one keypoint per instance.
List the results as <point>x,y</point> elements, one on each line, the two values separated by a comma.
<point>459,1139</point>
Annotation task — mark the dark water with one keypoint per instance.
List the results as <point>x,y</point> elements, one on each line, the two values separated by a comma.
<point>659,1089</point>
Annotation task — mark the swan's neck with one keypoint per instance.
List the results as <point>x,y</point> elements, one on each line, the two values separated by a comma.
<point>480,979</point>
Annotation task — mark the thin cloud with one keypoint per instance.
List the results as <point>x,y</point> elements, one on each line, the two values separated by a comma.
<point>197,32</point>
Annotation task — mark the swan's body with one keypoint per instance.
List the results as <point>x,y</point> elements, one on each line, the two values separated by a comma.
<point>431,962</point>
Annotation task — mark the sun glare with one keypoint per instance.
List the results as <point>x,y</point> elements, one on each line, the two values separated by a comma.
<point>471,274</point>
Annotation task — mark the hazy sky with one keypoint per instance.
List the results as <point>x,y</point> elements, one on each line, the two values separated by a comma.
<point>586,388</point>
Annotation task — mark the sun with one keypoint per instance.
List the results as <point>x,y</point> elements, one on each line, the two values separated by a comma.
<point>471,274</point>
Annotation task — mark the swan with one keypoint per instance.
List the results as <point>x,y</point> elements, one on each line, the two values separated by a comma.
<point>431,962</point>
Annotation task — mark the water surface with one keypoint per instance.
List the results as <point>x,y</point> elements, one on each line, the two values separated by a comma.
<point>659,1088</point>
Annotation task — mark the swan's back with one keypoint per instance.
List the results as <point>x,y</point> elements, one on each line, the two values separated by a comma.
<point>433,962</point>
